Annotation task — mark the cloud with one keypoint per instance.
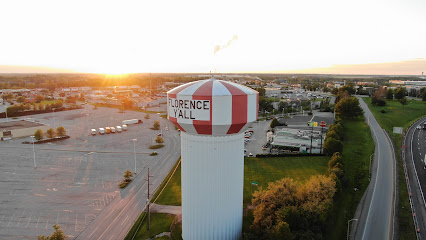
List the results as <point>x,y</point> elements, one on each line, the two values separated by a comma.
<point>217,48</point>
<point>408,67</point>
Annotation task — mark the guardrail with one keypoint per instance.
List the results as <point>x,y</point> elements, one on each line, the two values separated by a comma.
<point>407,181</point>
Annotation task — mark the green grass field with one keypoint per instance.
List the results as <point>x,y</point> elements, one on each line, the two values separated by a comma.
<point>261,170</point>
<point>266,170</point>
<point>397,115</point>
<point>172,193</point>
<point>160,222</point>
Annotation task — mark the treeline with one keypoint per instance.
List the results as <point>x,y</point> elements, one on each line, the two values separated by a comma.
<point>295,211</point>
<point>52,81</point>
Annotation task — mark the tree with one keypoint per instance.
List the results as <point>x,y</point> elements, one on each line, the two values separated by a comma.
<point>261,91</point>
<point>159,139</point>
<point>400,93</point>
<point>332,134</point>
<point>337,127</point>
<point>274,123</point>
<point>423,93</point>
<point>60,131</point>
<point>403,101</point>
<point>290,210</point>
<point>39,98</point>
<point>38,135</point>
<point>20,99</point>
<point>335,159</point>
<point>389,94</point>
<point>341,95</point>
<point>128,175</point>
<point>156,125</point>
<point>50,133</point>
<point>348,108</point>
<point>332,145</point>
<point>58,234</point>
<point>127,103</point>
<point>147,116</point>
<point>378,96</point>
<point>8,96</point>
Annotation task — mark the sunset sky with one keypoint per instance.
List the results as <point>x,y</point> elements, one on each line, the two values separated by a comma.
<point>354,37</point>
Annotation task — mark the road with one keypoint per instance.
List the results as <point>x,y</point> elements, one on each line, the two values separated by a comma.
<point>415,150</point>
<point>376,217</point>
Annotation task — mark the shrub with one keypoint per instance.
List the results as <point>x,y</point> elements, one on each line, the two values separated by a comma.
<point>156,146</point>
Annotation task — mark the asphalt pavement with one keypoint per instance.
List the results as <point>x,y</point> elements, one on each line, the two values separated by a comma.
<point>375,214</point>
<point>75,184</point>
<point>414,152</point>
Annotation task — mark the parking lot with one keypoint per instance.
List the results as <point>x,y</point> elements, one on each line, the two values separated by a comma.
<point>77,178</point>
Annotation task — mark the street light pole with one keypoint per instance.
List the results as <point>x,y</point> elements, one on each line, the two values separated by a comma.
<point>87,121</point>
<point>354,219</point>
<point>134,150</point>
<point>54,123</point>
<point>35,165</point>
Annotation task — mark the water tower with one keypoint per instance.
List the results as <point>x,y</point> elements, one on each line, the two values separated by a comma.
<point>212,115</point>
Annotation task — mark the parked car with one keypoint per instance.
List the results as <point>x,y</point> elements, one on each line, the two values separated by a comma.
<point>93,131</point>
<point>124,127</point>
<point>108,130</point>
<point>160,134</point>
<point>112,129</point>
<point>250,155</point>
<point>119,129</point>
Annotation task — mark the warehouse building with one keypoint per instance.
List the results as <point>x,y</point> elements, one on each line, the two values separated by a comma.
<point>21,128</point>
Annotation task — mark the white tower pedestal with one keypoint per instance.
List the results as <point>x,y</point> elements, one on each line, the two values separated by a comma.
<point>212,186</point>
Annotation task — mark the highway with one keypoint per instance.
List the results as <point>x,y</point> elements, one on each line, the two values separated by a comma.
<point>376,217</point>
<point>415,150</point>
<point>119,216</point>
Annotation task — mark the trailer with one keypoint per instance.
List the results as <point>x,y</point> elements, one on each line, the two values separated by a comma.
<point>132,121</point>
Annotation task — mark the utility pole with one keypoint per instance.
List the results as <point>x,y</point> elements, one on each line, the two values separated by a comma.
<point>149,219</point>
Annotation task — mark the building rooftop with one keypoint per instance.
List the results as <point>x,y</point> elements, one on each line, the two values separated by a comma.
<point>12,125</point>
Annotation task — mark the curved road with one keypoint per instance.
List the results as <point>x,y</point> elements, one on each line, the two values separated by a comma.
<point>377,214</point>
<point>415,150</point>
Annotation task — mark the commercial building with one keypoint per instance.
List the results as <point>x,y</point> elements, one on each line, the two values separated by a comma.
<point>22,128</point>
<point>289,140</point>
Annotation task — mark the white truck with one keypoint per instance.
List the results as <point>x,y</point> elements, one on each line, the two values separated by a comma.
<point>132,121</point>
<point>101,131</point>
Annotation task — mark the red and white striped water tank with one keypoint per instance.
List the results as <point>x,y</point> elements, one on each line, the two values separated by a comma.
<point>212,115</point>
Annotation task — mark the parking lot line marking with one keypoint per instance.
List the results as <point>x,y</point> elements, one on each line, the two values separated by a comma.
<point>20,218</point>
<point>66,222</point>
<point>29,219</point>
<point>111,237</point>
<point>11,219</point>
<point>38,221</point>
<point>2,219</point>
<point>48,217</point>
<point>136,205</point>
<point>93,232</point>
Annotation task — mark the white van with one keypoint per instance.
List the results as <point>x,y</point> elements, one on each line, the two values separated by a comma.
<point>119,129</point>
<point>101,131</point>
<point>124,127</point>
<point>93,131</point>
